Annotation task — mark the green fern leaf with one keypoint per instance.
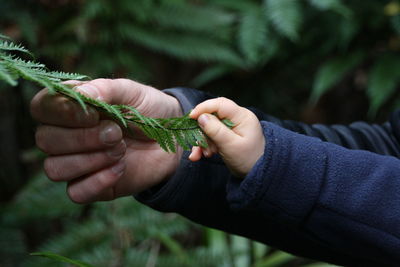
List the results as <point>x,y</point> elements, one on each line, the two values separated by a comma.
<point>4,37</point>
<point>395,22</point>
<point>190,17</point>
<point>183,46</point>
<point>332,72</point>
<point>286,16</point>
<point>237,5</point>
<point>334,5</point>
<point>210,74</point>
<point>6,75</point>
<point>66,76</point>
<point>10,46</point>
<point>253,35</point>
<point>383,79</point>
<point>59,258</point>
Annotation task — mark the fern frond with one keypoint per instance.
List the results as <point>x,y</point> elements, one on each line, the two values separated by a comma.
<point>168,133</point>
<point>253,35</point>
<point>4,37</point>
<point>60,258</point>
<point>6,75</point>
<point>18,213</point>
<point>286,15</point>
<point>66,76</point>
<point>10,46</point>
<point>210,74</point>
<point>332,72</point>
<point>334,5</point>
<point>192,17</point>
<point>383,79</point>
<point>183,46</point>
<point>237,5</point>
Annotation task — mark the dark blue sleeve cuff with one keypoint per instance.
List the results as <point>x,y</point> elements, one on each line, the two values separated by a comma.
<point>275,185</point>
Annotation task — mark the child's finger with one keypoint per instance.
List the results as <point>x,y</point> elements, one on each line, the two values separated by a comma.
<point>216,130</point>
<point>196,153</point>
<point>210,150</point>
<point>226,109</point>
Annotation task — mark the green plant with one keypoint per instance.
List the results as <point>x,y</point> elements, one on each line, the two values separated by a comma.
<point>61,258</point>
<point>118,233</point>
<point>167,132</point>
<point>224,46</point>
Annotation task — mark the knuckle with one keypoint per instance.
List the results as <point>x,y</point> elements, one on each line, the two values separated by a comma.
<point>36,104</point>
<point>101,83</point>
<point>221,100</point>
<point>34,107</point>
<point>52,170</point>
<point>224,101</point>
<point>75,196</point>
<point>41,139</point>
<point>105,180</point>
<point>215,131</point>
<point>85,136</point>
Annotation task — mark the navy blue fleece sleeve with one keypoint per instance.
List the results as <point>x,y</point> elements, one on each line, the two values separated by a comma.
<point>307,216</point>
<point>346,199</point>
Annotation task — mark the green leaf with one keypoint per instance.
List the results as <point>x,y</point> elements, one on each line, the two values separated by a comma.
<point>66,76</point>
<point>332,71</point>
<point>183,46</point>
<point>238,5</point>
<point>7,76</point>
<point>395,22</point>
<point>190,17</point>
<point>334,5</point>
<point>253,35</point>
<point>286,16</point>
<point>4,37</point>
<point>10,46</point>
<point>210,74</point>
<point>384,77</point>
<point>278,258</point>
<point>59,258</point>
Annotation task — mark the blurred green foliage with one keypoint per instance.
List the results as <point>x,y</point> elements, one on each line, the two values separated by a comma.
<point>310,46</point>
<point>293,58</point>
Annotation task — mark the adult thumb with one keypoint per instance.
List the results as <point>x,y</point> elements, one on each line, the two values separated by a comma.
<point>216,130</point>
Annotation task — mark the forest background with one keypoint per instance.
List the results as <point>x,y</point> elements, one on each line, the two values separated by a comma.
<point>317,61</point>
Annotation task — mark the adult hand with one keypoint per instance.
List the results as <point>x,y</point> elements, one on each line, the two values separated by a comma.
<point>92,153</point>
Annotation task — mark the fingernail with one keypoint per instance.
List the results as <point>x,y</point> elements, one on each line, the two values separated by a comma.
<point>117,151</point>
<point>202,120</point>
<point>191,113</point>
<point>89,90</point>
<point>110,134</point>
<point>119,167</point>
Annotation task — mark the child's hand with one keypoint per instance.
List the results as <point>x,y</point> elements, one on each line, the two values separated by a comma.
<point>241,146</point>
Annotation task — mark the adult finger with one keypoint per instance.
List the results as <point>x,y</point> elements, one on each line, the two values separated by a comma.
<point>114,91</point>
<point>61,111</point>
<point>56,140</point>
<point>68,167</point>
<point>97,186</point>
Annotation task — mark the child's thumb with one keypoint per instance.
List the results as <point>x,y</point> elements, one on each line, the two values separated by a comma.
<point>215,130</point>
